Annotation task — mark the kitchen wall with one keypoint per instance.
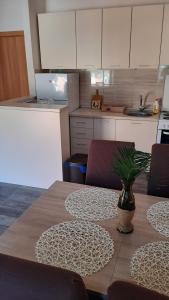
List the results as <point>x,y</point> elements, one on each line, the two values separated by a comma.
<point>122,87</point>
<point>22,15</point>
<point>35,7</point>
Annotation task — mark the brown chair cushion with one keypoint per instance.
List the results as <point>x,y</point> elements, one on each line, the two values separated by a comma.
<point>25,280</point>
<point>100,163</point>
<point>158,183</point>
<point>121,290</point>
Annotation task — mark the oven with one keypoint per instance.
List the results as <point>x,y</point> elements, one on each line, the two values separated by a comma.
<point>164,136</point>
<point>163,132</point>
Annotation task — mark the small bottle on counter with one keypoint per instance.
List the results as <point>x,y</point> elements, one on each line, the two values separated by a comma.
<point>156,106</point>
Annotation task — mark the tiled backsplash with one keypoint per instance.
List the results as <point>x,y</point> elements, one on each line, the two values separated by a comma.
<point>122,87</point>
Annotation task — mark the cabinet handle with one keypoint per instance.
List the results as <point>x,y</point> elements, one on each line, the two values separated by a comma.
<point>136,123</point>
<point>80,122</point>
<point>58,67</point>
<point>166,132</point>
<point>89,66</point>
<point>144,66</point>
<point>115,66</point>
<point>81,144</point>
<point>81,133</point>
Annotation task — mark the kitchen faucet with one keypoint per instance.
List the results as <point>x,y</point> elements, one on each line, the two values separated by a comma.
<point>143,105</point>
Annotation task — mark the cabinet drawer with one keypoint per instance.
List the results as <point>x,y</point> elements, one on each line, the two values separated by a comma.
<point>82,133</point>
<point>81,122</point>
<point>80,145</point>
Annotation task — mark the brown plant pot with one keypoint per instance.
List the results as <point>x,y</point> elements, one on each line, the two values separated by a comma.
<point>125,217</point>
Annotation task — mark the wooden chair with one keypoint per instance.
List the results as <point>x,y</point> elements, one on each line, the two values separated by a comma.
<point>22,279</point>
<point>121,290</point>
<point>100,163</point>
<point>158,182</point>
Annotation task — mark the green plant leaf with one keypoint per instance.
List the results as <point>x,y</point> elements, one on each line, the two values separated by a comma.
<point>129,163</point>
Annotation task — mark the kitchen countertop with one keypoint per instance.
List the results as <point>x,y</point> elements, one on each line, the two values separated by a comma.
<point>19,103</point>
<point>91,113</point>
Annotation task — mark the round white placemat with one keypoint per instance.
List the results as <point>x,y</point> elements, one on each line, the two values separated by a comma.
<point>158,216</point>
<point>79,246</point>
<point>92,204</point>
<point>150,266</point>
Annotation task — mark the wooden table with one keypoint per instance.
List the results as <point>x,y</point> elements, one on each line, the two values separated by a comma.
<point>20,239</point>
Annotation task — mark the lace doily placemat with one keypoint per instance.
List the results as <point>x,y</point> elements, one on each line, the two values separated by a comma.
<point>92,204</point>
<point>150,266</point>
<point>79,246</point>
<point>158,216</point>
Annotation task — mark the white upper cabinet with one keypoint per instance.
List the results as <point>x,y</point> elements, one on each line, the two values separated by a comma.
<point>146,36</point>
<point>57,40</point>
<point>164,59</point>
<point>88,31</point>
<point>116,37</point>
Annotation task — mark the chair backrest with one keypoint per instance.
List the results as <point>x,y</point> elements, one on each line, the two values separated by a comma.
<point>100,163</point>
<point>21,279</point>
<point>158,183</point>
<point>121,290</point>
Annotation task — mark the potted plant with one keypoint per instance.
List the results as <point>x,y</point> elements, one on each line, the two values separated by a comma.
<point>128,164</point>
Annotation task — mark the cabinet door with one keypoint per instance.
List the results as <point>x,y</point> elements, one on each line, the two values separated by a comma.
<point>104,129</point>
<point>146,36</point>
<point>142,133</point>
<point>164,59</point>
<point>57,40</point>
<point>88,30</point>
<point>116,37</point>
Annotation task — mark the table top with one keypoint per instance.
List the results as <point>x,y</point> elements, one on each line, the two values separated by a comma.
<point>20,239</point>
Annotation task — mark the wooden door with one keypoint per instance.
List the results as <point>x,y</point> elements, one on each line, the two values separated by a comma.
<point>146,36</point>
<point>164,59</point>
<point>88,30</point>
<point>13,67</point>
<point>116,37</point>
<point>57,40</point>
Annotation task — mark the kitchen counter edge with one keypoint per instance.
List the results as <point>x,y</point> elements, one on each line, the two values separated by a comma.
<point>90,113</point>
<point>20,104</point>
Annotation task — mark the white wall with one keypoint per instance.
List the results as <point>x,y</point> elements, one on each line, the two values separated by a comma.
<point>14,15</point>
<point>53,5</point>
<point>35,7</point>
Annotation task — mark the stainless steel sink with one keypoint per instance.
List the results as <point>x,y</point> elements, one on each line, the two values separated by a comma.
<point>31,101</point>
<point>138,113</point>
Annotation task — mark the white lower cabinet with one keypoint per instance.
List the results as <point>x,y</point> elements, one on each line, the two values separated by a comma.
<point>80,145</point>
<point>104,129</point>
<point>142,133</point>
<point>83,130</point>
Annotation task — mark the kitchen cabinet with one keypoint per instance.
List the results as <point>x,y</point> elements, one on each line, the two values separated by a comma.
<point>146,36</point>
<point>164,59</point>
<point>88,32</point>
<point>57,40</point>
<point>81,131</point>
<point>116,37</point>
<point>104,129</point>
<point>142,133</point>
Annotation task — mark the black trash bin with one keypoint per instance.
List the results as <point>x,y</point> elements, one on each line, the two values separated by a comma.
<point>74,168</point>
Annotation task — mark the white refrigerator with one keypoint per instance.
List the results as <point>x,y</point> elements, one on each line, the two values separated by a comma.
<point>58,88</point>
